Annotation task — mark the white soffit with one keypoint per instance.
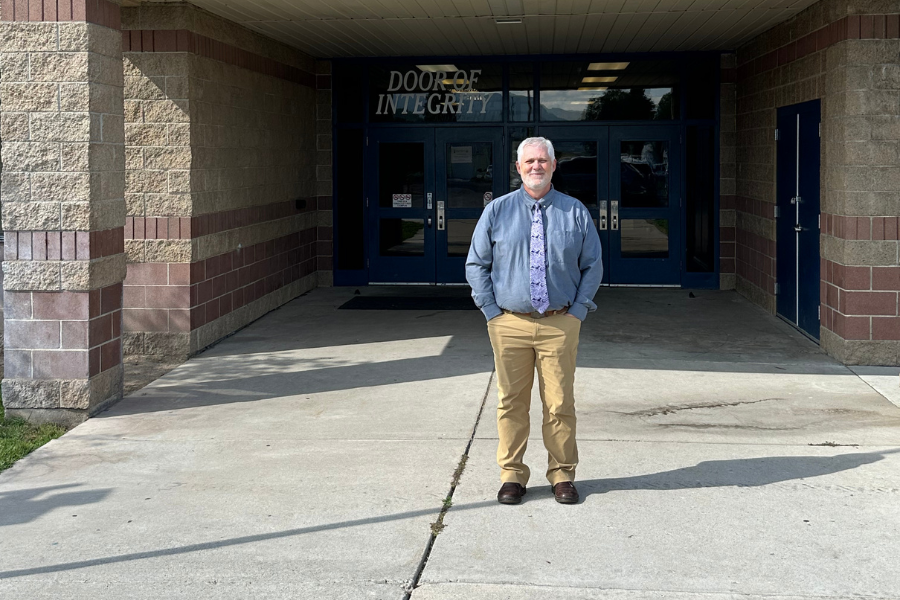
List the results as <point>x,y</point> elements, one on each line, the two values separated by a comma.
<point>353,28</point>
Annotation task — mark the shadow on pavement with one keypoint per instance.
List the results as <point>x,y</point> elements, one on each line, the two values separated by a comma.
<point>27,508</point>
<point>743,472</point>
<point>750,472</point>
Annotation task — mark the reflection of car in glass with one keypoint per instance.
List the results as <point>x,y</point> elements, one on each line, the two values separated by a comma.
<point>485,174</point>
<point>577,176</point>
<point>637,179</point>
<point>643,184</point>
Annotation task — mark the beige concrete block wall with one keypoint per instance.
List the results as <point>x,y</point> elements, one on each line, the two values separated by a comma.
<point>845,54</point>
<point>63,158</point>
<point>222,177</point>
<point>861,206</point>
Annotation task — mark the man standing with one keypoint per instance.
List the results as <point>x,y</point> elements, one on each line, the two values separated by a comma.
<point>534,267</point>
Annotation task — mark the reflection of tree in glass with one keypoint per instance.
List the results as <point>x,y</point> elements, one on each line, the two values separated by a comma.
<point>632,104</point>
<point>410,228</point>
<point>666,108</point>
<point>660,224</point>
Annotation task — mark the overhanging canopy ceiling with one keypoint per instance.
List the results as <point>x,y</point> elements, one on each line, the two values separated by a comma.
<point>355,28</point>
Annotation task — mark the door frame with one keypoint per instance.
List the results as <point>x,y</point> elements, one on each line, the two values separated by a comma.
<point>451,270</point>
<point>652,271</point>
<point>387,269</point>
<point>599,134</point>
<point>797,225</point>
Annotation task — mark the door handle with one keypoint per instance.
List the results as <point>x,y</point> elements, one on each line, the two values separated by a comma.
<point>440,215</point>
<point>602,215</point>
<point>615,215</point>
<point>798,228</point>
<point>429,221</point>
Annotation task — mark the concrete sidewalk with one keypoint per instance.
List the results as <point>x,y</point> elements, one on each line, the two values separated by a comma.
<point>722,456</point>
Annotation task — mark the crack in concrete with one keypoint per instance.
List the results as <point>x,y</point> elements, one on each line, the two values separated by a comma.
<point>668,410</point>
<point>438,525</point>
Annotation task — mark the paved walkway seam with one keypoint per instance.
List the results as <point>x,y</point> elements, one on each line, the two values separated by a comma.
<point>438,525</point>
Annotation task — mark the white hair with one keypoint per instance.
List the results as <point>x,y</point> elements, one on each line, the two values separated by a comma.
<point>536,141</point>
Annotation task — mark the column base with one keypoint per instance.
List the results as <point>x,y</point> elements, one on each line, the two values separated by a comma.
<point>62,401</point>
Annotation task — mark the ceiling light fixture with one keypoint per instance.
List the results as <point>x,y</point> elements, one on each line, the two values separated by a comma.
<point>598,79</point>
<point>619,66</point>
<point>508,21</point>
<point>438,68</point>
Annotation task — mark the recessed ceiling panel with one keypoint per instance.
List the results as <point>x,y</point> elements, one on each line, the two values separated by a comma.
<point>351,28</point>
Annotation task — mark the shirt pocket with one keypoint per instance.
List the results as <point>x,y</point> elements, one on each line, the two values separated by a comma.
<point>564,248</point>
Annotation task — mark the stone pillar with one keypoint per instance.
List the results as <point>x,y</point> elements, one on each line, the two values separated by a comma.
<point>63,207</point>
<point>860,210</point>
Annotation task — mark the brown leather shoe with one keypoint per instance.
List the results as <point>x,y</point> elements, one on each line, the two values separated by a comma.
<point>510,493</point>
<point>565,492</point>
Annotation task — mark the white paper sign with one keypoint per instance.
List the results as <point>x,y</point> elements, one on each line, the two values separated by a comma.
<point>488,196</point>
<point>460,154</point>
<point>402,200</point>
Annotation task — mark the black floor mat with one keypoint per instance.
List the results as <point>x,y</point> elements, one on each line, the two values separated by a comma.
<point>408,303</point>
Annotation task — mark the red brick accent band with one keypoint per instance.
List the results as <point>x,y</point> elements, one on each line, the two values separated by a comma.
<point>755,260</point>
<point>861,228</point>
<point>860,303</point>
<point>227,282</point>
<point>157,297</point>
<point>158,228</point>
<point>854,27</point>
<point>175,228</point>
<point>183,40</point>
<point>99,12</point>
<point>63,245</point>
<point>180,297</point>
<point>755,207</point>
<point>63,335</point>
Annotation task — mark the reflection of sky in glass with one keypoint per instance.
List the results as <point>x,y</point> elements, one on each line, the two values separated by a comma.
<point>563,102</point>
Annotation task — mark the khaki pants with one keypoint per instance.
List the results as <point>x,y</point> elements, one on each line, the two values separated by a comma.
<point>551,344</point>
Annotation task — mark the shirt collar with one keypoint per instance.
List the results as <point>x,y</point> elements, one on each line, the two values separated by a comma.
<point>546,201</point>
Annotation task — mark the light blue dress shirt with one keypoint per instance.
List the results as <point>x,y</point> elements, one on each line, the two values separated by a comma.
<point>498,265</point>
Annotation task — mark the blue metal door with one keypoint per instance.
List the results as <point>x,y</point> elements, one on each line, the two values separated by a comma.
<point>469,177</point>
<point>797,216</point>
<point>400,204</point>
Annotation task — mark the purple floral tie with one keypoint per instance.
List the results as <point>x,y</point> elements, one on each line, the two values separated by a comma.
<point>540,299</point>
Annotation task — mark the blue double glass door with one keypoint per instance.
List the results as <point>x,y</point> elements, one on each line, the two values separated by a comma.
<point>425,190</point>
<point>427,187</point>
<point>629,177</point>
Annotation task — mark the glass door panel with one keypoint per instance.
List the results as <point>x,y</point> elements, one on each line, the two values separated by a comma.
<point>645,205</point>
<point>581,167</point>
<point>467,163</point>
<point>400,185</point>
<point>644,174</point>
